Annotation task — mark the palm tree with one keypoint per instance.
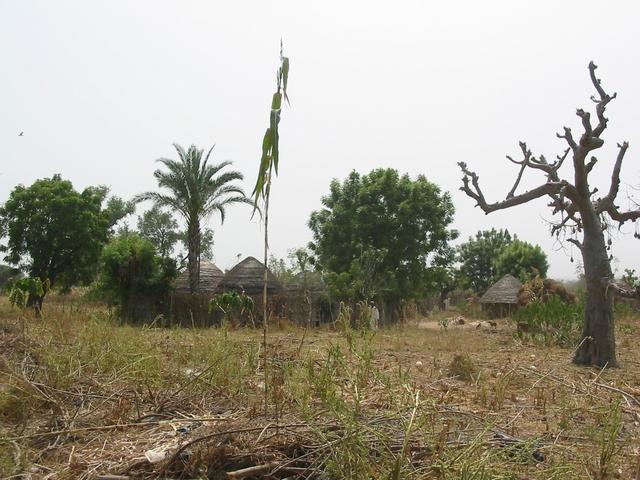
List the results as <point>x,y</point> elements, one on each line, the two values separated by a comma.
<point>196,190</point>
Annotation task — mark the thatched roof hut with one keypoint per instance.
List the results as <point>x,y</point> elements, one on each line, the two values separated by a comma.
<point>210,277</point>
<point>248,276</point>
<point>502,297</point>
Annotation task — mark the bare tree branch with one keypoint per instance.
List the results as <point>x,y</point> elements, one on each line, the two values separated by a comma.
<point>549,188</point>
<point>575,242</point>
<point>586,121</point>
<point>619,291</point>
<point>615,175</point>
<point>622,217</point>
<point>601,103</point>
<point>569,138</point>
<point>524,164</point>
<point>561,159</point>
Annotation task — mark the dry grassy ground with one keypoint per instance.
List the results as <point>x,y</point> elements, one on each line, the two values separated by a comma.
<point>83,397</point>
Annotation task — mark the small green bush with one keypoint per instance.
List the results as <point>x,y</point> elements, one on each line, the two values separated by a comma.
<point>22,289</point>
<point>550,323</point>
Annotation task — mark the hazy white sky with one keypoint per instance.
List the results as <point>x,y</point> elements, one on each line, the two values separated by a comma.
<point>102,89</point>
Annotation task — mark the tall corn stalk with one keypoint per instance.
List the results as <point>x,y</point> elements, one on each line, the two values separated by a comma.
<point>262,191</point>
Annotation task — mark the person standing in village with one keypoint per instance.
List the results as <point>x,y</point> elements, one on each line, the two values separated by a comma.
<point>374,316</point>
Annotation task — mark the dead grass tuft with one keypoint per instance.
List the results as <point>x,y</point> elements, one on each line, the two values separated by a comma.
<point>463,368</point>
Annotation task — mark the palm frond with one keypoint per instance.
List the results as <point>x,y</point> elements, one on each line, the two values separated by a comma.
<point>195,188</point>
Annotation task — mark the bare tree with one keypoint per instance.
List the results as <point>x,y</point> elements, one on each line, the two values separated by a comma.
<point>580,213</point>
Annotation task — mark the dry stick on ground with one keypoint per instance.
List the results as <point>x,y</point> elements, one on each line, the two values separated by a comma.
<point>116,427</point>
<point>252,471</point>
<point>585,390</point>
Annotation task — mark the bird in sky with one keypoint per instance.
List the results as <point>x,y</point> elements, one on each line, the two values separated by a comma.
<point>21,134</point>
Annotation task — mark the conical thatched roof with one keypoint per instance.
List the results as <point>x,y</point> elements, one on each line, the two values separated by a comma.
<point>248,275</point>
<point>314,283</point>
<point>210,277</point>
<point>504,290</point>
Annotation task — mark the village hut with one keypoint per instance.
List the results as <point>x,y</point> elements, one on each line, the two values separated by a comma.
<point>502,297</point>
<point>248,277</point>
<point>210,277</point>
<point>192,310</point>
<point>308,299</point>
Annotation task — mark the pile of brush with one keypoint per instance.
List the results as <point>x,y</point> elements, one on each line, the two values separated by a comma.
<point>541,290</point>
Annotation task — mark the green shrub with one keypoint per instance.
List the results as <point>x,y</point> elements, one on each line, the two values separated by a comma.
<point>22,289</point>
<point>550,323</point>
<point>131,272</point>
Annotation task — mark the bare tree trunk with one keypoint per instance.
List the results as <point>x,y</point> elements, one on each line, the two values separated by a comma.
<point>193,257</point>
<point>36,301</point>
<point>599,348</point>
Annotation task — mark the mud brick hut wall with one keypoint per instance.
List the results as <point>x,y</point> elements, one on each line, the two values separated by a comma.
<point>501,299</point>
<point>248,277</point>
<point>188,309</point>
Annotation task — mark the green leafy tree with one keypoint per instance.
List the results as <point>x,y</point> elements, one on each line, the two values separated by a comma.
<point>55,233</point>
<point>160,228</point>
<point>477,258</point>
<point>117,208</point>
<point>131,271</point>
<point>301,260</point>
<point>206,245</point>
<point>280,269</point>
<point>522,260</point>
<point>298,261</point>
<point>195,190</point>
<point>382,235</point>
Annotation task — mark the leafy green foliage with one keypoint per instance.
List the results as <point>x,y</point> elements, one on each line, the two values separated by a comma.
<point>160,228</point>
<point>280,269</point>
<point>206,243</point>
<point>522,260</point>
<point>301,259</point>
<point>630,278</point>
<point>297,261</point>
<point>477,255</point>
<point>196,190</point>
<point>132,272</point>
<point>232,302</point>
<point>117,208</point>
<point>57,233</point>
<point>23,289</point>
<point>382,235</point>
<point>271,139</point>
<point>550,323</point>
